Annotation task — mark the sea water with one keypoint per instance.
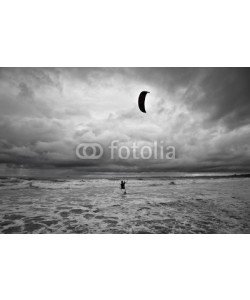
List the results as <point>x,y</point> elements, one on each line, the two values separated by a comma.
<point>154,203</point>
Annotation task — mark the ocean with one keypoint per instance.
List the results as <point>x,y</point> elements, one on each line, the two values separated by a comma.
<point>155,203</point>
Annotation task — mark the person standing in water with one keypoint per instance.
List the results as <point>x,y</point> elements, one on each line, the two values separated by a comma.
<point>123,187</point>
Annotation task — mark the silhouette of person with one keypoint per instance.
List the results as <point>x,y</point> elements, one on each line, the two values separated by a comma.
<point>123,187</point>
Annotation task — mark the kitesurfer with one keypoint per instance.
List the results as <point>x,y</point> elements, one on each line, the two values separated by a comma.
<point>123,187</point>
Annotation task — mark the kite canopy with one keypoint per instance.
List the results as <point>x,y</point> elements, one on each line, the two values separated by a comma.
<point>141,101</point>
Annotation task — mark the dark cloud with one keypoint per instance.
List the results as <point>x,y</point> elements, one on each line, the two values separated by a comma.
<point>223,94</point>
<point>226,96</point>
<point>203,112</point>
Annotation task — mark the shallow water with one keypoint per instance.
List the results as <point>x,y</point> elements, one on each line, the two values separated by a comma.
<point>151,205</point>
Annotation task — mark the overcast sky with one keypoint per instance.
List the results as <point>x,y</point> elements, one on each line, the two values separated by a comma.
<point>45,113</point>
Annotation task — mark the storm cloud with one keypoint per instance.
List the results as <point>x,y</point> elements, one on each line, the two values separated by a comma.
<point>46,112</point>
